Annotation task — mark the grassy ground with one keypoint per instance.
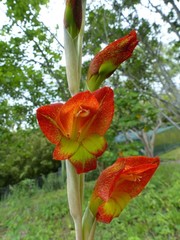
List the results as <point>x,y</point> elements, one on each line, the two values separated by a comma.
<point>167,140</point>
<point>40,215</point>
<point>171,155</point>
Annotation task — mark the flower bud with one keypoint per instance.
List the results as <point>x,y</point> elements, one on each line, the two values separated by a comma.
<point>73,17</point>
<point>109,59</point>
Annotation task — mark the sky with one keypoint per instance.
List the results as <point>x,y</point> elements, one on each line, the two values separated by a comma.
<point>53,15</point>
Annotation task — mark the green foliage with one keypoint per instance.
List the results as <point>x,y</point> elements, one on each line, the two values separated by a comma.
<point>130,149</point>
<point>30,71</point>
<point>134,113</point>
<point>25,154</point>
<point>44,215</point>
<point>53,181</point>
<point>26,187</point>
<point>39,217</point>
<point>30,187</point>
<point>24,9</point>
<point>134,110</point>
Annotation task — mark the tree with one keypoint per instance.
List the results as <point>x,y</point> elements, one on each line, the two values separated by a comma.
<point>135,114</point>
<point>153,70</point>
<point>30,70</point>
<point>24,154</point>
<point>171,15</point>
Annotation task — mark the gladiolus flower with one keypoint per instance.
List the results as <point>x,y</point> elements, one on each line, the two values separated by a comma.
<point>108,60</point>
<point>73,17</point>
<point>118,184</point>
<point>77,127</point>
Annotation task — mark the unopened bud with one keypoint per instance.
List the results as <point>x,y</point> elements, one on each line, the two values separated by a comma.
<point>109,59</point>
<point>73,17</point>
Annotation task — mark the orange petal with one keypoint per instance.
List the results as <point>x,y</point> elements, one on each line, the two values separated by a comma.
<point>71,109</point>
<point>137,173</point>
<point>46,116</point>
<point>106,182</point>
<point>135,161</point>
<point>103,118</point>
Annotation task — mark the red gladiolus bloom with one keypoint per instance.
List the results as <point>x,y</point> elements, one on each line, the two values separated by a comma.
<point>119,183</point>
<point>77,127</point>
<point>108,60</point>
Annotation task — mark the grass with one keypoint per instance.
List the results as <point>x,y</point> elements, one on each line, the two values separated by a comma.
<point>42,215</point>
<point>167,141</point>
<point>171,155</point>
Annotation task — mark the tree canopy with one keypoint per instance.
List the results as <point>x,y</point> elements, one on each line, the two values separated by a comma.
<point>30,71</point>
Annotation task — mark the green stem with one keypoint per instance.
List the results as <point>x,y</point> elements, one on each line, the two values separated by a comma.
<point>89,225</point>
<point>74,192</point>
<point>80,38</point>
<point>75,182</point>
<point>71,55</point>
<point>63,173</point>
<point>82,176</point>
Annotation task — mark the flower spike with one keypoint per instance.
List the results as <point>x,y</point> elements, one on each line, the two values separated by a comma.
<point>118,184</point>
<point>77,127</point>
<point>108,60</point>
